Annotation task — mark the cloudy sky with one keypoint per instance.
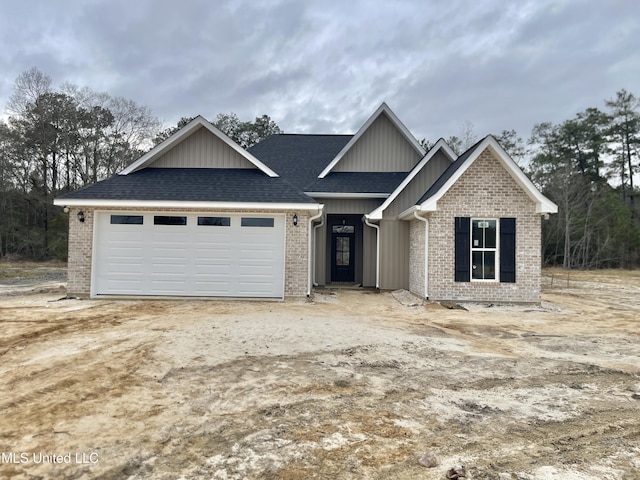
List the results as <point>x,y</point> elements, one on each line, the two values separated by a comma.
<point>323,66</point>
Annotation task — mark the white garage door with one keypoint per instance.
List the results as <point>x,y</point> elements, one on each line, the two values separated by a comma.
<point>208,255</point>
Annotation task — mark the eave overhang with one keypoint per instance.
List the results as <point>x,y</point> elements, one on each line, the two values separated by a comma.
<point>544,206</point>
<point>132,204</point>
<point>345,195</point>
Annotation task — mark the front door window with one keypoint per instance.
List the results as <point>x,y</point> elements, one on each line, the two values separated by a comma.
<point>342,251</point>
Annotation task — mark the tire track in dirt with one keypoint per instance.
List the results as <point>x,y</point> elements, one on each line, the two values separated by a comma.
<point>358,387</point>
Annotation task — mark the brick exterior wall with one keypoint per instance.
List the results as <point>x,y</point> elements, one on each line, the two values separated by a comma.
<point>80,253</point>
<point>81,247</point>
<point>416,257</point>
<point>485,190</point>
<point>296,269</point>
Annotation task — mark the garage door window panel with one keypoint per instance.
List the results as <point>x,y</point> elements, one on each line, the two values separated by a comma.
<point>127,219</point>
<point>214,221</point>
<point>166,220</point>
<point>256,222</point>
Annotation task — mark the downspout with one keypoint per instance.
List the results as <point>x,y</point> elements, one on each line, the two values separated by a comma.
<point>309,254</point>
<point>315,236</point>
<point>377,227</point>
<point>426,252</point>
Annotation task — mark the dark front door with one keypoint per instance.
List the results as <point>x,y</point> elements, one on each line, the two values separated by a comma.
<point>342,253</point>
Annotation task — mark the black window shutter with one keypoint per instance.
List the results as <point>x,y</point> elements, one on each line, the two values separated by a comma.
<point>508,250</point>
<point>463,250</point>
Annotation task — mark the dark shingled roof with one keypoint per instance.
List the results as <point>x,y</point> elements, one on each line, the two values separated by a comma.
<point>358,182</point>
<point>448,173</point>
<point>299,158</point>
<point>194,184</point>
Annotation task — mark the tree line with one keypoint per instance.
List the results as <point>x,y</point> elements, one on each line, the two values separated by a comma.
<point>59,139</point>
<point>588,165</point>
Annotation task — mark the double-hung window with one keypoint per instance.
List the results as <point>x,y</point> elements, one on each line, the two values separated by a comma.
<point>484,248</point>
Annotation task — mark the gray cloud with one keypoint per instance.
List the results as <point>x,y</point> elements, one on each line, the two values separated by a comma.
<point>324,66</point>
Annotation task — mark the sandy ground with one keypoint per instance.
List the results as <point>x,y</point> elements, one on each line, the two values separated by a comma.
<point>351,384</point>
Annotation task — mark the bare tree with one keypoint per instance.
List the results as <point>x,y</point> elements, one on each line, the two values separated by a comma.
<point>29,86</point>
<point>513,144</point>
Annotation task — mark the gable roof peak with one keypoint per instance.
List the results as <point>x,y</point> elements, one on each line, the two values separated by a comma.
<point>440,145</point>
<point>195,124</point>
<point>428,202</point>
<point>467,153</point>
<point>382,109</point>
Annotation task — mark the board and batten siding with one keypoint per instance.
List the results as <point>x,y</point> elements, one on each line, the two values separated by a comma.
<point>418,185</point>
<point>381,148</point>
<point>369,257</point>
<point>394,254</point>
<point>202,149</point>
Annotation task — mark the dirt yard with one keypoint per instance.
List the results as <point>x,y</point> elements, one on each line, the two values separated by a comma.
<point>350,385</point>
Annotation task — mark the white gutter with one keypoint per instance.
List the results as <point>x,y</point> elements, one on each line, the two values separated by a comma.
<point>346,195</point>
<point>315,236</point>
<point>309,263</point>
<point>426,252</point>
<point>132,204</point>
<point>377,227</point>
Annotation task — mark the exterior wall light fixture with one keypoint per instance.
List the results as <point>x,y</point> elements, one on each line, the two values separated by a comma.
<point>295,219</point>
<point>81,216</point>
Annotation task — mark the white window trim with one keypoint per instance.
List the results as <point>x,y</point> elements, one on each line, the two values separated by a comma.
<point>497,250</point>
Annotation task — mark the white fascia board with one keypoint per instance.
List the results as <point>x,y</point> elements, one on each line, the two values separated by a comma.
<point>444,146</point>
<point>547,206</point>
<point>100,203</point>
<point>543,204</point>
<point>409,212</point>
<point>184,132</point>
<point>383,108</point>
<point>404,130</point>
<point>439,145</point>
<point>345,195</point>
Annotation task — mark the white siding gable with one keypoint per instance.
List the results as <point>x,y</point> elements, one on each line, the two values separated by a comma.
<point>382,148</point>
<point>202,149</point>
